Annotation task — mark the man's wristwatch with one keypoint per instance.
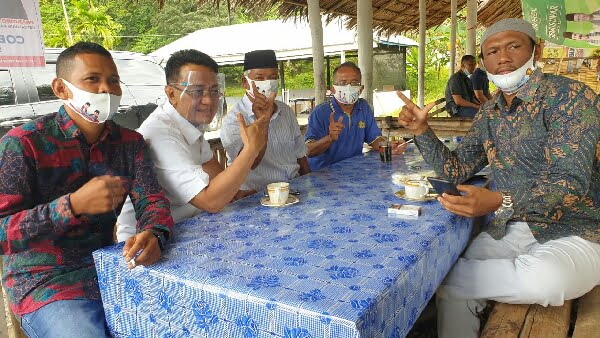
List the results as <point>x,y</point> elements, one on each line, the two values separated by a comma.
<point>506,209</point>
<point>160,235</point>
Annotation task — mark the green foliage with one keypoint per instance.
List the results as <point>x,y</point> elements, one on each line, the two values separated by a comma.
<point>136,25</point>
<point>94,24</point>
<point>434,87</point>
<point>134,22</point>
<point>139,25</point>
<point>53,24</point>
<point>155,28</point>
<point>89,22</point>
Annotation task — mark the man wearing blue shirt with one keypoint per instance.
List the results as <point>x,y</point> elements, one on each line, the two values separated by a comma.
<point>481,84</point>
<point>337,129</point>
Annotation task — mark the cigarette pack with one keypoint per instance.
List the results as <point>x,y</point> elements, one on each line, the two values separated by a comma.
<point>405,209</point>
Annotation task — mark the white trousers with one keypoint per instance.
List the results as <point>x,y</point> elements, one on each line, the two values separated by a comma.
<point>517,270</point>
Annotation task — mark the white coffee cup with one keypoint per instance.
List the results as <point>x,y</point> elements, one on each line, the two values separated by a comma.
<point>415,189</point>
<point>278,192</point>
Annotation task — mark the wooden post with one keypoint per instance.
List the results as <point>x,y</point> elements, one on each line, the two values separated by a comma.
<point>282,79</point>
<point>403,68</point>
<point>364,17</point>
<point>316,30</point>
<point>328,71</point>
<point>453,7</point>
<point>471,48</point>
<point>422,35</point>
<point>67,21</point>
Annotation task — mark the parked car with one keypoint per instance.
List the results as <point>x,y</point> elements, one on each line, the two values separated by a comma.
<point>25,93</point>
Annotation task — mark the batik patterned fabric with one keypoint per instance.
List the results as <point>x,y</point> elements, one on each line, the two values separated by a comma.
<point>544,151</point>
<point>333,265</point>
<point>47,250</point>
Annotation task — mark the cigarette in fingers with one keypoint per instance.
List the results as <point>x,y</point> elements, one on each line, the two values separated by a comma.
<point>407,142</point>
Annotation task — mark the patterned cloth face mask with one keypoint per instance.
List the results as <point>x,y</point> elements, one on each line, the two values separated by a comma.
<point>265,87</point>
<point>93,107</point>
<point>347,94</point>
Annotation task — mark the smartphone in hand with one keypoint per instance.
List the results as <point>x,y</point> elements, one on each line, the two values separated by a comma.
<point>443,186</point>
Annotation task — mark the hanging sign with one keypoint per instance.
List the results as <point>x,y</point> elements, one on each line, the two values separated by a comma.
<point>21,39</point>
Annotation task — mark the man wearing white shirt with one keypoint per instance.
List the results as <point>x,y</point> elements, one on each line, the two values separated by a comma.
<point>192,178</point>
<point>284,155</point>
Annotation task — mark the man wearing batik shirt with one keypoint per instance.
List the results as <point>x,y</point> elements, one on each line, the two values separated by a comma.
<point>540,135</point>
<point>284,155</point>
<point>64,179</point>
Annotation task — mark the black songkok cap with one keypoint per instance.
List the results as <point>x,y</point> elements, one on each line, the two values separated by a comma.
<point>260,59</point>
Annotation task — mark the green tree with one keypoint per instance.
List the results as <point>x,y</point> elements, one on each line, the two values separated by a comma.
<point>94,24</point>
<point>179,18</point>
<point>53,24</point>
<point>134,22</point>
<point>89,22</point>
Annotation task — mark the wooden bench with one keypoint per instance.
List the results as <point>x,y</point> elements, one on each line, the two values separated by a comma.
<point>442,126</point>
<point>536,321</point>
<point>439,108</point>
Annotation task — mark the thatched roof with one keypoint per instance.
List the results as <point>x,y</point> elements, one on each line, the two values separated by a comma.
<point>494,10</point>
<point>389,16</point>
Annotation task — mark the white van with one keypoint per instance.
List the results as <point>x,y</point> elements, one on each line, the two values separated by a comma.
<point>25,93</point>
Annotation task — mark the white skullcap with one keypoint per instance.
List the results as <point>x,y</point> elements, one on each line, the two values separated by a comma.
<point>512,24</point>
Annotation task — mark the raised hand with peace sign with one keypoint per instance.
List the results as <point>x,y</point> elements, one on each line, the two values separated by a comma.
<point>412,117</point>
<point>261,104</point>
<point>254,136</point>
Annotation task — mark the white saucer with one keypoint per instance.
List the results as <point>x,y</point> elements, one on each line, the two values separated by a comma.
<point>428,197</point>
<point>291,200</point>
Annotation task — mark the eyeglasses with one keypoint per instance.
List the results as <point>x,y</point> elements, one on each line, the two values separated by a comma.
<point>344,83</point>
<point>213,93</point>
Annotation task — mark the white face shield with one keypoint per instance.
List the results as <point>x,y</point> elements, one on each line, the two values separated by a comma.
<point>201,100</point>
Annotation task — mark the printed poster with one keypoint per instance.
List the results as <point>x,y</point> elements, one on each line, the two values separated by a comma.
<point>21,39</point>
<point>572,23</point>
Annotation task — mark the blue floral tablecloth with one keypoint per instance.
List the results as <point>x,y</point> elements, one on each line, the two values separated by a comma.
<point>333,265</point>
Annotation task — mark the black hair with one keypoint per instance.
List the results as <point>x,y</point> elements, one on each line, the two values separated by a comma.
<point>480,56</point>
<point>64,62</point>
<point>185,57</point>
<point>467,58</point>
<point>348,64</point>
